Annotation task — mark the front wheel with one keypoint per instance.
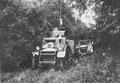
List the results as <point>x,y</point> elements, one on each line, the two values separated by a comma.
<point>60,64</point>
<point>70,58</point>
<point>33,62</point>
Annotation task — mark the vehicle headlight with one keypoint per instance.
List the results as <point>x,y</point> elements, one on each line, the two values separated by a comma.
<point>37,48</point>
<point>91,49</point>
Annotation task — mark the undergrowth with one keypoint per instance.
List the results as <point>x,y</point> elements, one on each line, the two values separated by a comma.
<point>96,68</point>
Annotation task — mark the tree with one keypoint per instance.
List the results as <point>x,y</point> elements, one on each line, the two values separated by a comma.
<point>108,25</point>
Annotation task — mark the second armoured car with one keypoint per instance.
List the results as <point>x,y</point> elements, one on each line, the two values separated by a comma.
<point>84,47</point>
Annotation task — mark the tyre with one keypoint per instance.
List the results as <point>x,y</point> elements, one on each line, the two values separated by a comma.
<point>33,62</point>
<point>60,64</point>
<point>69,58</point>
<point>63,63</point>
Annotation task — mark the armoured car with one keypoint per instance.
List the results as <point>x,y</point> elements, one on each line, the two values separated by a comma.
<point>56,50</point>
<point>84,47</point>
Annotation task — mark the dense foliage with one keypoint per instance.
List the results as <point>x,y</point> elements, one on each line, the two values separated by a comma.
<point>22,28</point>
<point>108,25</point>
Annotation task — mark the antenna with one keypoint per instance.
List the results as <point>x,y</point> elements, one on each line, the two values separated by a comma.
<point>60,15</point>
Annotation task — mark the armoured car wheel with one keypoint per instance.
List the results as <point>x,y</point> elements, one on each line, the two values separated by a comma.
<point>63,63</point>
<point>69,58</point>
<point>56,65</point>
<point>60,64</point>
<point>33,62</point>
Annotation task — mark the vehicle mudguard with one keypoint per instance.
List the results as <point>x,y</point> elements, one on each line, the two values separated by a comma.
<point>61,54</point>
<point>65,47</point>
<point>35,53</point>
<point>71,45</point>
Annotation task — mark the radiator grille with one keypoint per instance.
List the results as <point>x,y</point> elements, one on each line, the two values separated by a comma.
<point>48,53</point>
<point>47,56</point>
<point>83,50</point>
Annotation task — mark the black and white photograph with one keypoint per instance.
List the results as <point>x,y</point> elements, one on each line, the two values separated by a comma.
<point>59,41</point>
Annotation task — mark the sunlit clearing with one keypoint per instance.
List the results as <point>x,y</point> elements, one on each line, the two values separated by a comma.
<point>32,3</point>
<point>75,10</point>
<point>89,16</point>
<point>76,13</point>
